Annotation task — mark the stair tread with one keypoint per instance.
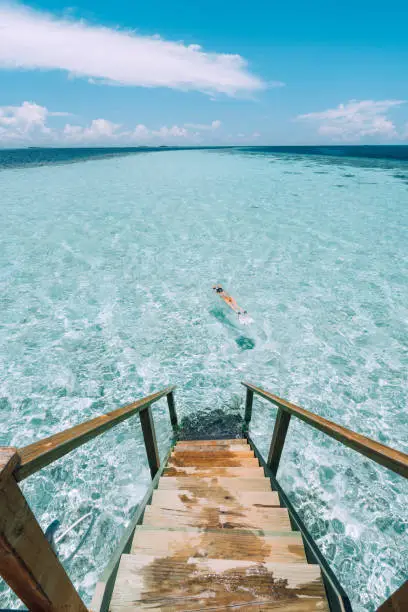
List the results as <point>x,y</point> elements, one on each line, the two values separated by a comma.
<point>145,582</point>
<point>261,532</point>
<point>219,544</point>
<point>198,460</point>
<point>215,497</point>
<point>230,484</point>
<point>190,448</point>
<point>236,441</point>
<point>213,451</point>
<point>208,471</point>
<point>216,538</point>
<point>246,518</point>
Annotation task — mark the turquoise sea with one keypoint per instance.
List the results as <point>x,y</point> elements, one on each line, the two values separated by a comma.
<point>106,268</point>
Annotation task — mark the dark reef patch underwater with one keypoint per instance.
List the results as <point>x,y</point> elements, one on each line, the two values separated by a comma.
<point>245,343</point>
<point>211,425</point>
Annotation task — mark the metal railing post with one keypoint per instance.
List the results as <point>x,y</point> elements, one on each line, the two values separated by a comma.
<point>172,411</point>
<point>278,440</point>
<point>27,562</point>
<point>248,408</point>
<point>149,436</point>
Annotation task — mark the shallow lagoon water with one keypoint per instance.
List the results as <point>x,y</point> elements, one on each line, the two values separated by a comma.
<point>106,270</point>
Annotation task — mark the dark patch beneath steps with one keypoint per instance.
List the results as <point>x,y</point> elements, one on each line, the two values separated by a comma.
<point>211,425</point>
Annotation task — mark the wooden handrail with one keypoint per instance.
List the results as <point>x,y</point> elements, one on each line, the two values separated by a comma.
<point>27,562</point>
<point>390,458</point>
<point>39,454</point>
<point>397,602</point>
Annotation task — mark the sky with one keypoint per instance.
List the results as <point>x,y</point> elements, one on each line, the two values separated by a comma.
<point>201,72</point>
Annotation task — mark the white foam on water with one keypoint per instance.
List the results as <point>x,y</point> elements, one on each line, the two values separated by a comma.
<point>245,319</point>
<point>106,270</point>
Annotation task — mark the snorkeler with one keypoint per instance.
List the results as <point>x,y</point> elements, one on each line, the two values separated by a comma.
<point>231,302</point>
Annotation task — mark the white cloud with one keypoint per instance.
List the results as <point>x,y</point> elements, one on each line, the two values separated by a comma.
<point>23,117</point>
<point>59,114</point>
<point>28,124</point>
<point>22,123</point>
<point>144,135</point>
<point>35,40</point>
<point>356,120</point>
<point>214,125</point>
<point>164,132</point>
<point>102,131</point>
<point>99,129</point>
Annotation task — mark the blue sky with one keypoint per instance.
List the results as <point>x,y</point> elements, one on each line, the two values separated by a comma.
<point>131,72</point>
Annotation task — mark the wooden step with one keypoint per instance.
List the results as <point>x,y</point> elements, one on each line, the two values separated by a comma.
<point>215,538</point>
<point>230,472</point>
<point>234,449</point>
<point>200,460</point>
<point>166,584</point>
<point>214,447</point>
<point>215,497</point>
<point>215,451</point>
<point>214,454</point>
<point>237,441</point>
<point>284,547</point>
<point>229,484</point>
<point>275,519</point>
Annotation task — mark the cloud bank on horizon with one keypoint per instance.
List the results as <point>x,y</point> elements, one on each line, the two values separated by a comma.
<point>34,40</point>
<point>357,119</point>
<point>29,124</point>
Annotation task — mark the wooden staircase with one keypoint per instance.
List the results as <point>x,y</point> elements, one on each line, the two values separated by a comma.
<point>209,534</point>
<point>215,537</point>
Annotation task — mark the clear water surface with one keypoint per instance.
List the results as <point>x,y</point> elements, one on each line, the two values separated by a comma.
<point>106,268</point>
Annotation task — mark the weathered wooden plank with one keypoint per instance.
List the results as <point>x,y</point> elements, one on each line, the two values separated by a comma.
<point>212,504</point>
<point>219,544</point>
<point>398,602</point>
<point>215,453</point>
<point>145,582</point>
<point>260,532</point>
<point>27,562</point>
<point>390,458</point>
<point>278,439</point>
<point>229,484</point>
<point>276,519</point>
<point>215,496</point>
<point>195,448</point>
<point>237,441</point>
<point>9,460</point>
<point>242,450</point>
<point>213,472</point>
<point>39,454</point>
<point>181,460</point>
<point>149,437</point>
